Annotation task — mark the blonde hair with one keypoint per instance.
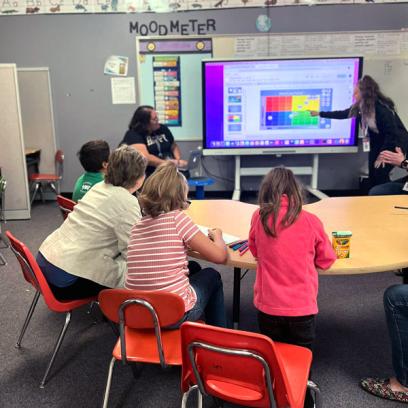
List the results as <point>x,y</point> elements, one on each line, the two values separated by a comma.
<point>164,191</point>
<point>126,165</point>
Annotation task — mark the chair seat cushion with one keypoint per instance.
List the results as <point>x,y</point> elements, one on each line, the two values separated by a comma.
<point>141,346</point>
<point>233,391</point>
<point>62,306</point>
<point>44,177</point>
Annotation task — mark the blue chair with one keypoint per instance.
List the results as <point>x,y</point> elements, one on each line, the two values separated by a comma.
<point>199,183</point>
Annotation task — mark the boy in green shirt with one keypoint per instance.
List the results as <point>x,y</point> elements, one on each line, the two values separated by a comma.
<point>94,157</point>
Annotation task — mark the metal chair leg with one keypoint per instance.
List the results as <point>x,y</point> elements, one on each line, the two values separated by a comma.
<point>57,347</point>
<point>108,383</point>
<point>3,261</point>
<point>316,393</point>
<point>186,395</point>
<point>53,188</point>
<point>199,399</point>
<point>28,318</point>
<point>42,193</point>
<point>37,186</point>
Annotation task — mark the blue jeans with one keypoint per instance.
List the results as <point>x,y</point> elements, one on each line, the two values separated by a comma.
<point>207,284</point>
<point>396,312</point>
<point>391,188</point>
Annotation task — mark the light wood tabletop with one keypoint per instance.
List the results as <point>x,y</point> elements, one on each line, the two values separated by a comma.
<point>31,150</point>
<point>380,232</point>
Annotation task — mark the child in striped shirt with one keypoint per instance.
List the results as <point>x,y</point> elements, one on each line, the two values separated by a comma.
<point>157,251</point>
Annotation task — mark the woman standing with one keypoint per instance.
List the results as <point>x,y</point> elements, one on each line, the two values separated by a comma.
<point>152,140</point>
<point>380,123</point>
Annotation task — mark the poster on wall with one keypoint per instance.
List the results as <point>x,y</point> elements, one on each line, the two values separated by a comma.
<point>167,89</point>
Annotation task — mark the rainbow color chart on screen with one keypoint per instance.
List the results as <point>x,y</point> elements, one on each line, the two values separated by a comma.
<point>291,109</point>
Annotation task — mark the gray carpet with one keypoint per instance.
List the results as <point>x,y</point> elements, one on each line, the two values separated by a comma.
<point>352,341</point>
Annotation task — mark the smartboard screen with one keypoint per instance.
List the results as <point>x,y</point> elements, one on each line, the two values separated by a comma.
<point>266,104</point>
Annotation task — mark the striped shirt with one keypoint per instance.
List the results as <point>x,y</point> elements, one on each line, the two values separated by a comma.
<point>157,255</point>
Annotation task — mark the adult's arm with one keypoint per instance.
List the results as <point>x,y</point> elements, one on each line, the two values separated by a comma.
<point>151,158</point>
<point>123,224</point>
<point>175,151</point>
<point>339,114</point>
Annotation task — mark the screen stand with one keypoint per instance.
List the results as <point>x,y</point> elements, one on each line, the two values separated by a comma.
<point>311,171</point>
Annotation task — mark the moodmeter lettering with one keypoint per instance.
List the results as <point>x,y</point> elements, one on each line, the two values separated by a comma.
<point>192,26</point>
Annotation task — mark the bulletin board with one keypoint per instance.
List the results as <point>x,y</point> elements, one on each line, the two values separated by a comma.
<point>385,58</point>
<point>169,78</point>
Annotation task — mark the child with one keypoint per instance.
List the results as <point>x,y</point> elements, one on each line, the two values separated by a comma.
<point>289,244</point>
<point>94,157</point>
<point>157,251</point>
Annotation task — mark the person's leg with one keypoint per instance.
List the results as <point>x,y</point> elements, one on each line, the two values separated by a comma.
<point>81,289</point>
<point>392,188</point>
<point>302,330</point>
<point>272,326</point>
<point>396,312</point>
<point>208,286</point>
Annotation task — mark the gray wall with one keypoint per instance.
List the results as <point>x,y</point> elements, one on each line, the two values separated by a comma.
<point>75,48</point>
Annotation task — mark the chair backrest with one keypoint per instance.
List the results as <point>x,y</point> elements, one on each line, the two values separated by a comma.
<point>65,205</point>
<point>141,310</point>
<point>32,272</point>
<point>59,163</point>
<point>169,307</point>
<point>237,366</point>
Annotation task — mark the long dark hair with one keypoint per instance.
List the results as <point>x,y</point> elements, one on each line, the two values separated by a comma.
<point>370,93</point>
<point>141,119</point>
<point>276,183</point>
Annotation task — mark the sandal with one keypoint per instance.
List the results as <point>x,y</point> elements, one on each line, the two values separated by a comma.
<point>381,388</point>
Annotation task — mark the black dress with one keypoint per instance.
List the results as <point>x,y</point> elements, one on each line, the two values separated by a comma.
<point>391,134</point>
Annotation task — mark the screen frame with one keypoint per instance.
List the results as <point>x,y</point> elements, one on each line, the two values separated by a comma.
<point>274,150</point>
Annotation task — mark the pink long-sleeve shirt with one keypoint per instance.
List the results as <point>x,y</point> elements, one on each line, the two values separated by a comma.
<point>286,281</point>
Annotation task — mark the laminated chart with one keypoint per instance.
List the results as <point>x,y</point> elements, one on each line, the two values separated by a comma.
<point>283,109</point>
<point>167,89</point>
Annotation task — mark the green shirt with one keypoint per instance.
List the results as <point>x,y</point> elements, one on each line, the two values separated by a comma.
<point>85,183</point>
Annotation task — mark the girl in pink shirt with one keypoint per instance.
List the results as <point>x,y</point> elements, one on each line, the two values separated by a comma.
<point>289,244</point>
<point>157,251</point>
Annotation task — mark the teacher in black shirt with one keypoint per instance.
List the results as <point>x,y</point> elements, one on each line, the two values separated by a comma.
<point>152,140</point>
<point>380,124</point>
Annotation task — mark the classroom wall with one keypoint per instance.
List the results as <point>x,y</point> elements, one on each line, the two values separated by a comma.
<point>75,48</point>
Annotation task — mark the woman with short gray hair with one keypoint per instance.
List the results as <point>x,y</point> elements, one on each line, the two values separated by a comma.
<point>88,252</point>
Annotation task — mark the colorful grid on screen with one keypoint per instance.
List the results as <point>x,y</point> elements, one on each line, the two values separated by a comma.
<point>281,109</point>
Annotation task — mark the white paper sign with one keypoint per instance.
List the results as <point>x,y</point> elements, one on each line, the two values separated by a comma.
<point>123,90</point>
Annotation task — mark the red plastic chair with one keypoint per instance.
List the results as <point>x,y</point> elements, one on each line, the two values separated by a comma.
<point>141,316</point>
<point>40,180</point>
<point>33,275</point>
<point>244,368</point>
<point>65,205</point>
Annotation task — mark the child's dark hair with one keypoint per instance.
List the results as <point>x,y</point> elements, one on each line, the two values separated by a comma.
<point>93,154</point>
<point>276,183</point>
